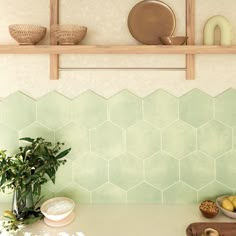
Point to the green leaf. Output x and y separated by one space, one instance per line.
3 179
31 220
27 139
63 154
51 174
39 169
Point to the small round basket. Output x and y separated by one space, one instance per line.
209 209
26 34
69 34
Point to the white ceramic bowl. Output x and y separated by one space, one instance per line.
57 208
226 212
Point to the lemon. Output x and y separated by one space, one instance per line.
231 198
234 203
227 204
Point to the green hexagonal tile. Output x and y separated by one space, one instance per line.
234 138
53 110
180 193
36 130
196 108
125 109
144 193
1 114
214 138
225 107
109 194
197 170
143 140
89 109
161 170
161 108
107 140
90 171
63 177
212 191
47 194
8 140
73 191
74 137
126 171
179 139
226 169
18 111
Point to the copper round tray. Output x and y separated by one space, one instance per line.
150 19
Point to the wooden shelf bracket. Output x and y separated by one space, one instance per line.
190 32
54 58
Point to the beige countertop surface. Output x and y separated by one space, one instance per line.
124 220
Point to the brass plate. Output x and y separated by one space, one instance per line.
150 19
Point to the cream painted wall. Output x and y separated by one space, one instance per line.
106 21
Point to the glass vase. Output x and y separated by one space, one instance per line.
21 202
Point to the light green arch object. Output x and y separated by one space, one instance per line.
225 29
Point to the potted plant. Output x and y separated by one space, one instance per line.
24 173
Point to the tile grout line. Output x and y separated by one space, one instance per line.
214 108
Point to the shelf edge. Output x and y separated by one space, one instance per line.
117 49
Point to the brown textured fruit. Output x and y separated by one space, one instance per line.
209 209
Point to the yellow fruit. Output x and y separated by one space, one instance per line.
9 214
234 203
231 198
227 204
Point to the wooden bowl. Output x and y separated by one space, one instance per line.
26 34
69 34
173 40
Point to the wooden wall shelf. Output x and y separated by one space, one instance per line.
54 50
116 49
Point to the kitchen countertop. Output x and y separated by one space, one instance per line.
124 220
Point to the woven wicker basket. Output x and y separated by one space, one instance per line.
26 34
68 34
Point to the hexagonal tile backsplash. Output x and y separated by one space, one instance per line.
127 149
